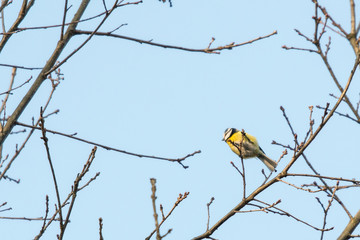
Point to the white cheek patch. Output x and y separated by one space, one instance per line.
227 134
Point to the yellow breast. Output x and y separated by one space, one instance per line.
246 146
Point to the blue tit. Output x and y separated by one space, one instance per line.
246 146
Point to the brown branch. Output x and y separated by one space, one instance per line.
322 122
352 39
107 14
178 160
66 24
350 227
18 151
17 66
100 229
208 211
64 19
12 89
242 175
263 172
42 230
4 4
74 191
283 173
42 76
346 99
205 50
311 124
299 49
22 13
28 218
326 211
261 209
178 201
326 185
284 213
153 198
4 101
324 177
342 114
324 11
354 236
3 210
45 139
316 41
301 188
3 106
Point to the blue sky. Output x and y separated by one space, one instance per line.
169 103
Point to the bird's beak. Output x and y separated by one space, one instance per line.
223 139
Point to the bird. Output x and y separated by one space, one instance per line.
246 146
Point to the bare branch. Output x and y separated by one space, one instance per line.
349 229
18 151
164 218
327 209
45 139
100 229
64 19
22 13
153 198
208 211
42 230
73 194
204 50
261 209
324 177
17 66
341 114
28 218
283 173
42 76
178 160
284 213
12 89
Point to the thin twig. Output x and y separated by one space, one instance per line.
164 218
12 89
283 173
153 198
17 66
74 191
178 160
327 209
341 114
18 151
22 14
42 76
326 185
45 139
4 101
204 50
261 209
208 211
42 230
64 19
284 213
323 177
87 39
28 218
100 229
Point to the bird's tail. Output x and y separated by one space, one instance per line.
271 164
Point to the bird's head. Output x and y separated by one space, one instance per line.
228 133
